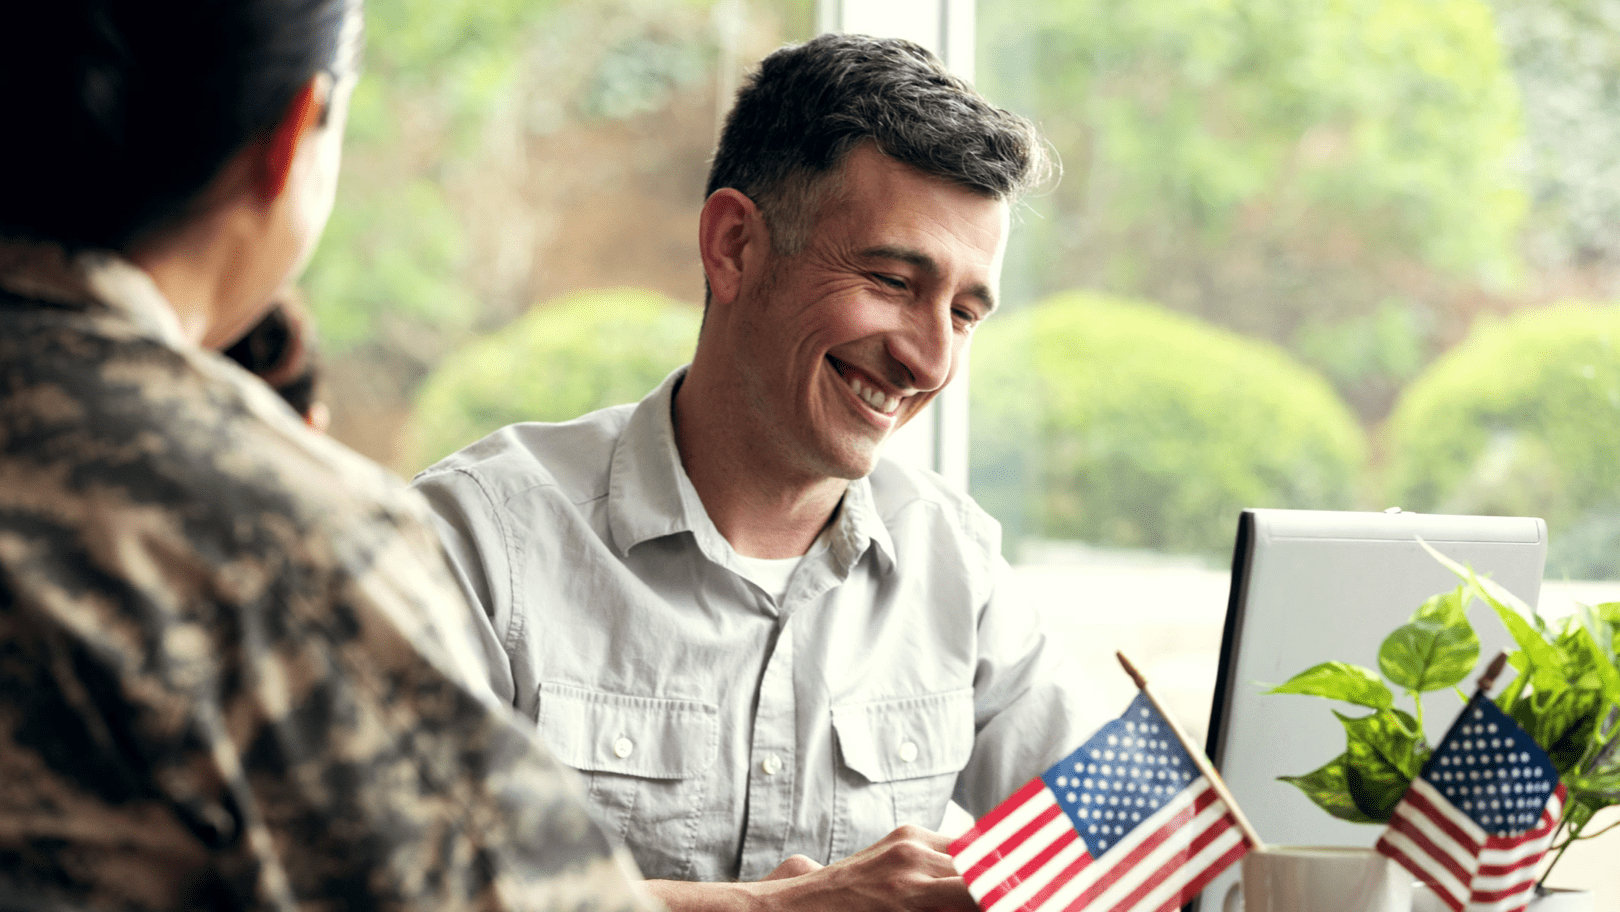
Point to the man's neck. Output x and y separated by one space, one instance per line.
762 510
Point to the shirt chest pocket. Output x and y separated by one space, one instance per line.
897 763
645 761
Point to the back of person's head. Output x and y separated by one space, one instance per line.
808 106
119 113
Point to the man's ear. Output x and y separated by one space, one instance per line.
298 124
731 235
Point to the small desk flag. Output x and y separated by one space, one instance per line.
1124 824
1479 817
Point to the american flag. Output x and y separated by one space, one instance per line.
1124 824
1479 817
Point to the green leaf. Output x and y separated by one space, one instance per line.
1382 756
1596 778
1578 812
1545 660
1329 790
1448 608
1604 757
1599 641
1436 650
1562 721
1339 681
1513 612
1488 589
1608 611
1596 790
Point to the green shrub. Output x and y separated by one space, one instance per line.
1121 424
583 352
1522 418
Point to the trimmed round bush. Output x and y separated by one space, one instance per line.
583 352
1119 423
1522 419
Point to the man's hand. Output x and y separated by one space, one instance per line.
905 871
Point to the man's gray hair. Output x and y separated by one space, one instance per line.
808 106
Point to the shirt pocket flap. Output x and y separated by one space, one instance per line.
908 738
650 737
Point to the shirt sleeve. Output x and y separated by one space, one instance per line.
1026 704
468 525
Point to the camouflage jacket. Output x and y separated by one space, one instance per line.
234 671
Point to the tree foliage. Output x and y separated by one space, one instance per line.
396 251
1287 168
431 236
561 360
1119 423
1565 55
1521 419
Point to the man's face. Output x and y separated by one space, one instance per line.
848 339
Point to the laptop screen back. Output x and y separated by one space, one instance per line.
1314 586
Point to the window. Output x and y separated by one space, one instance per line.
1303 255
521 186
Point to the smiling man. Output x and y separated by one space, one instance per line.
765 647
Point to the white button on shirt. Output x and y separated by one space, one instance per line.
886 679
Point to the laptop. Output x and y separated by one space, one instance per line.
1312 586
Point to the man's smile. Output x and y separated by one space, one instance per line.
866 389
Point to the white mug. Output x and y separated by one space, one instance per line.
1320 879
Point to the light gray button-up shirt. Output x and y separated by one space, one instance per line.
718 728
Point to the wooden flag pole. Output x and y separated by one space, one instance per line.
1197 754
1491 671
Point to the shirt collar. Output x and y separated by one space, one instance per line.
46 271
858 525
649 494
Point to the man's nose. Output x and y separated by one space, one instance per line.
925 346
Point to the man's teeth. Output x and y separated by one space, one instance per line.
872 397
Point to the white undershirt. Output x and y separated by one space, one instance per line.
770 573
773 574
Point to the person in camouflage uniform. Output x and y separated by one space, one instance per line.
234 670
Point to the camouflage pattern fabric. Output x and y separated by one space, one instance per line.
234 671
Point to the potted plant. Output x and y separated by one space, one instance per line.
1565 692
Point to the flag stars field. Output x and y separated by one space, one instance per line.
1124 776
1486 776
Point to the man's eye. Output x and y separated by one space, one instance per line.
891 281
963 315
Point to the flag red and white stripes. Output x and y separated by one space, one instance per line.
1468 868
